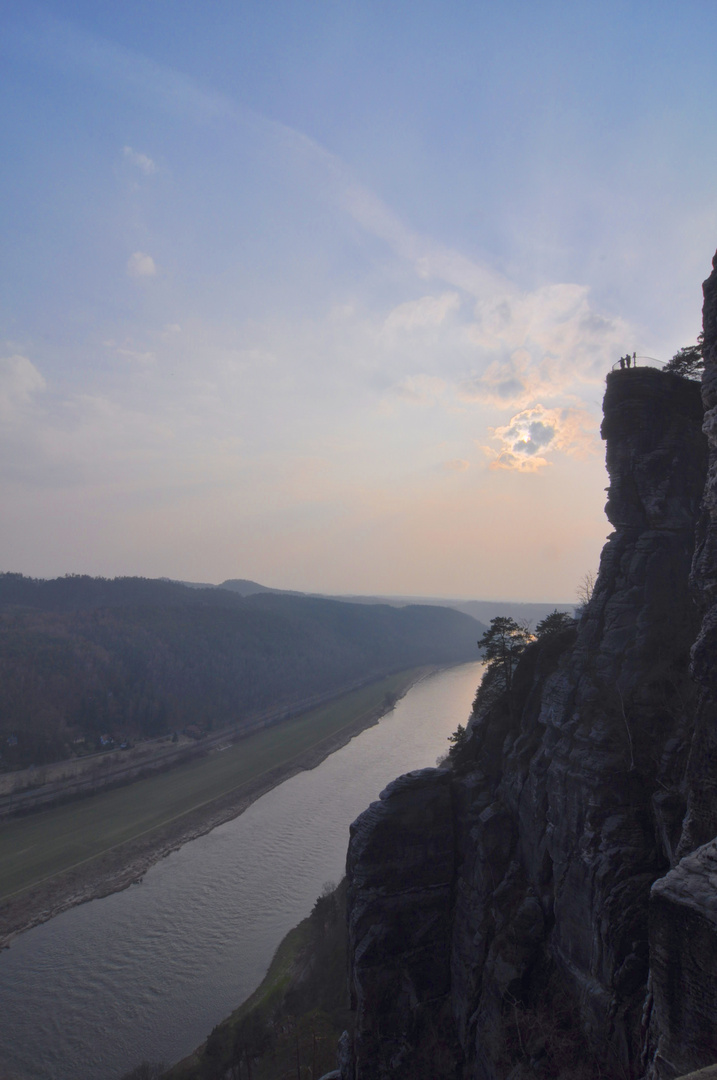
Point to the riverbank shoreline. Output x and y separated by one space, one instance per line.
116 869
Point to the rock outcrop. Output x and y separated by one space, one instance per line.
402 863
682 998
683 963
547 906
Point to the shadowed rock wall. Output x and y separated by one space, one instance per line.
498 912
682 999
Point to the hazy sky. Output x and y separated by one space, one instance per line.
324 293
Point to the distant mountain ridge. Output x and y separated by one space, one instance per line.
85 658
482 610
250 588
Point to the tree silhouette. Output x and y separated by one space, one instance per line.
502 644
688 362
553 623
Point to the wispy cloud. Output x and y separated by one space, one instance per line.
20 381
518 348
142 161
455 336
137 357
418 314
64 43
141 265
540 343
421 389
515 347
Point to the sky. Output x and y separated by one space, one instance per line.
323 294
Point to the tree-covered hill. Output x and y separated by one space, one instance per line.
82 659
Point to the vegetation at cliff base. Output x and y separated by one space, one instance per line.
291 1024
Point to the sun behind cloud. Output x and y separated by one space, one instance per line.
531 434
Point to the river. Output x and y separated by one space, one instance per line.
147 973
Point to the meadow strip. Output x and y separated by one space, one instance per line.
55 858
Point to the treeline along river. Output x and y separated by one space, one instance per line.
146 973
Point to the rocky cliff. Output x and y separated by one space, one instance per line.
548 907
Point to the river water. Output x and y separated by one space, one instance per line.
147 973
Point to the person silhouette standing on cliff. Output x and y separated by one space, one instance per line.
627 358
622 363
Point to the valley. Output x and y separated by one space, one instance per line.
92 846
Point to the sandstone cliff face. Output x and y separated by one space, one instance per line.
682 999
498 912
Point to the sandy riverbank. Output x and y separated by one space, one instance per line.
126 864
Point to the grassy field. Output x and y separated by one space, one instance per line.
34 849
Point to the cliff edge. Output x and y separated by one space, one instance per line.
547 906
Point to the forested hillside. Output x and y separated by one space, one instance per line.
84 659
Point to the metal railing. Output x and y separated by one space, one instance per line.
639 361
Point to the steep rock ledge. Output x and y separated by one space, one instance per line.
401 867
499 909
683 963
682 1000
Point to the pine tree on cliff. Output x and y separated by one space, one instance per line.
554 623
688 362
502 644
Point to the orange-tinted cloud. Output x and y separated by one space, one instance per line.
530 435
